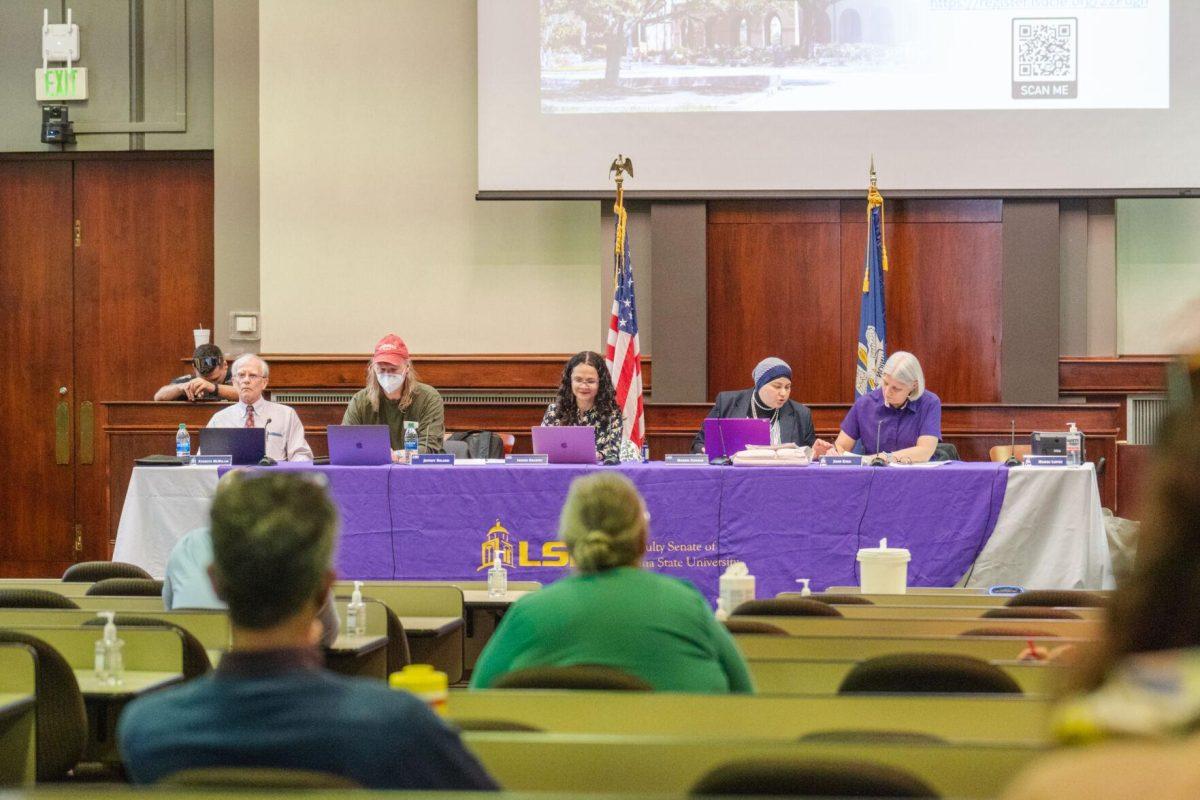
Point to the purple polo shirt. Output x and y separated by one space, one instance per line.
901 426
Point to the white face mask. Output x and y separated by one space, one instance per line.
390 382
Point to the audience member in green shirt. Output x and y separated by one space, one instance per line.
394 395
613 613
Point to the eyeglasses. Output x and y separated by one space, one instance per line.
584 382
248 376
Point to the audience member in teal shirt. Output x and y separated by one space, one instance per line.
613 613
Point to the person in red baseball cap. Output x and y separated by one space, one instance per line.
395 395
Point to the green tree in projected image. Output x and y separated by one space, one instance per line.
702 31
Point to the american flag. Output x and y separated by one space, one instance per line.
623 353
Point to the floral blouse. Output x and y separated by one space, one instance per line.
609 430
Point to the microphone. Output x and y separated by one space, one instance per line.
723 459
1011 461
878 460
267 461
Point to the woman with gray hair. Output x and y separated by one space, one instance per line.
900 421
770 399
612 612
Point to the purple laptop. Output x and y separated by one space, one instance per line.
566 444
359 445
724 437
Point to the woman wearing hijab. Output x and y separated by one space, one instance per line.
770 399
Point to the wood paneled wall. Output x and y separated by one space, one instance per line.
785 279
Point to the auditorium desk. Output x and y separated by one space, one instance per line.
1036 527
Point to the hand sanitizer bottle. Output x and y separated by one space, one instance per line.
1074 445
497 578
804 590
109 663
356 612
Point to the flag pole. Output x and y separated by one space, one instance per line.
617 171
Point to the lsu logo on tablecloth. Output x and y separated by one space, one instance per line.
498 539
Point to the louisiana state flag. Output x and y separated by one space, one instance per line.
872 325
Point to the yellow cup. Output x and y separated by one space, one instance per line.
425 682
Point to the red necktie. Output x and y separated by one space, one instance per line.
249 416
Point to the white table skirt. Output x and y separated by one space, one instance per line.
1049 534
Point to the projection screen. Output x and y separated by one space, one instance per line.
793 97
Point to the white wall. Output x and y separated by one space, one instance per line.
367 178
1158 271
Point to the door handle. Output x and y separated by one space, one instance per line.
62 429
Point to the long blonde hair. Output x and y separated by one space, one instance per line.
375 392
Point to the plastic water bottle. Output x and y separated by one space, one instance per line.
356 612
1074 445
109 664
183 442
645 452
410 441
497 578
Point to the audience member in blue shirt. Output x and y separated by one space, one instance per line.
270 703
186 583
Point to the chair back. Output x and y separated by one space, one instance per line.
833 599
59 715
126 587
736 626
927 673
1001 452
1029 612
267 778
92 571
34 598
945 452
1052 598
578 676
785 607
399 655
776 777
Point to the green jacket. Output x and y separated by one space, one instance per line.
652 626
426 408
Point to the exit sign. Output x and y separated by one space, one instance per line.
61 83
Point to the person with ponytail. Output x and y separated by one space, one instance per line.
612 612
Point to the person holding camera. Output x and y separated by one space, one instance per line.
209 379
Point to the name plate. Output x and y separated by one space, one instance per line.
212 461
434 458
527 458
841 461
686 458
1045 461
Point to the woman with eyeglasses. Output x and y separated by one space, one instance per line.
586 397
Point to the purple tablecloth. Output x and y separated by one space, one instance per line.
441 523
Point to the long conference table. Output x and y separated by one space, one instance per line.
964 523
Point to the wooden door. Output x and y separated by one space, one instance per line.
143 281
37 393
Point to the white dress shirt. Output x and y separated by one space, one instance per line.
285 434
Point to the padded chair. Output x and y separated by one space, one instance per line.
1001 452
34 598
126 587
767 777
865 736
1071 598
398 654
580 676
945 452
1029 633
735 626
59 714
258 778
927 673
195 657
832 599
92 571
785 607
1029 612
496 725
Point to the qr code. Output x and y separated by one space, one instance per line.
1045 49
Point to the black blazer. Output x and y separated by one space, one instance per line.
795 420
